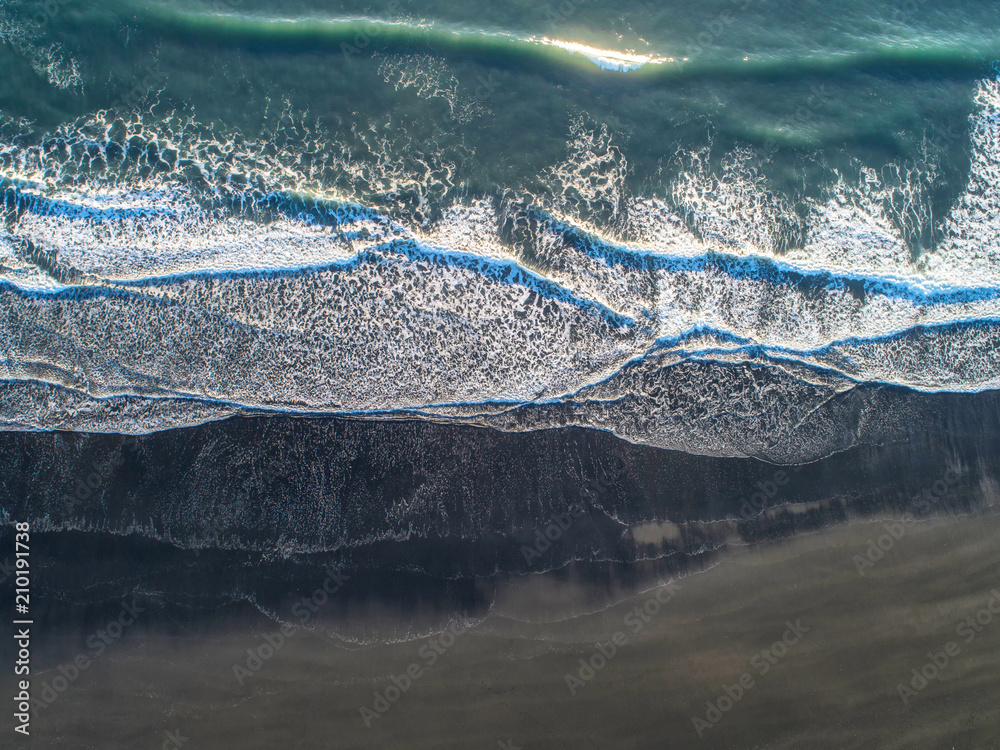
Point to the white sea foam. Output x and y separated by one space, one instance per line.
135 302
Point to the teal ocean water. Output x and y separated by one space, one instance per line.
692 225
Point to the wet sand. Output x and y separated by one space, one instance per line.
850 640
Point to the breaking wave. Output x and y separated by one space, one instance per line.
154 276
397 30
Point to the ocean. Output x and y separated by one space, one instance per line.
505 316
